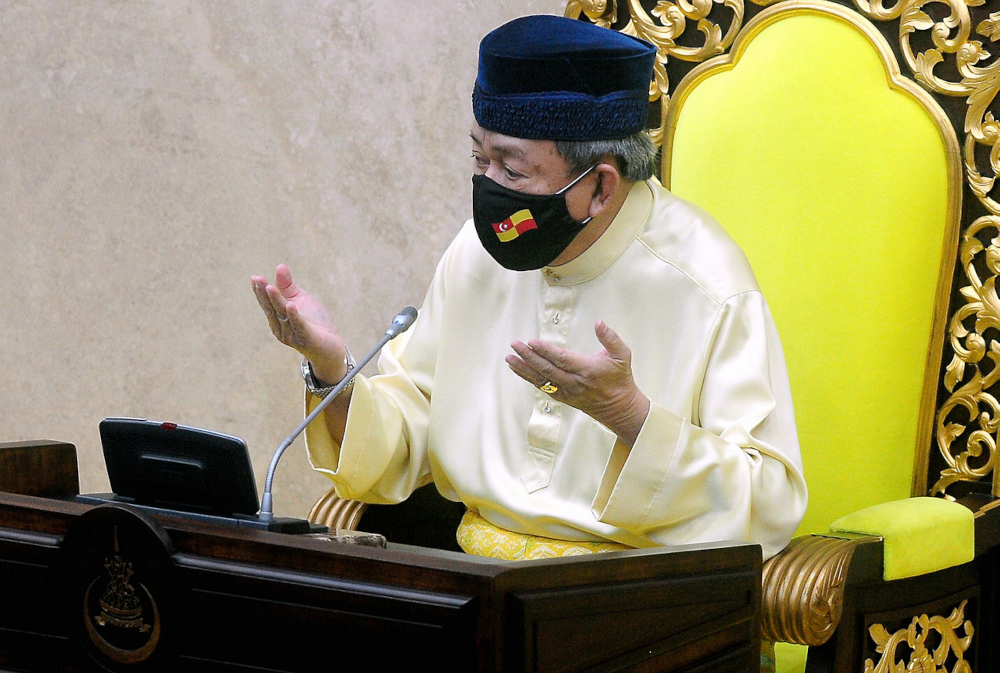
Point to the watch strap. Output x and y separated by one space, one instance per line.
313 385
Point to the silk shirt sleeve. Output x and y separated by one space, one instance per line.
733 470
383 457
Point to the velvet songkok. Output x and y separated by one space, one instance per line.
555 78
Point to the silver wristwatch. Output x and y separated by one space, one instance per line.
310 378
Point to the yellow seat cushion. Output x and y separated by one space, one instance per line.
920 535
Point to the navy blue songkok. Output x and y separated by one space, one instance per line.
555 78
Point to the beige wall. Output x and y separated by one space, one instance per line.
155 154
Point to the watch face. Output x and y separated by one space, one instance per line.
308 376
313 385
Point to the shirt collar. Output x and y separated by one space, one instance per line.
593 261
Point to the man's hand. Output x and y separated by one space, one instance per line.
600 385
298 320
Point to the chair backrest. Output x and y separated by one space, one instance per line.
841 178
838 180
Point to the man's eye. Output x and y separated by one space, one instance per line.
511 174
479 161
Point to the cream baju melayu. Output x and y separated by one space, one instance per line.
717 457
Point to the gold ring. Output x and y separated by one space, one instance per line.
549 388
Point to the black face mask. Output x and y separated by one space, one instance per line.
523 231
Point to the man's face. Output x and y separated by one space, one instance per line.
530 166
535 167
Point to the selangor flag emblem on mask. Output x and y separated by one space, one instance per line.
515 225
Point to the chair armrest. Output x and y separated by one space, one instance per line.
921 534
336 513
803 592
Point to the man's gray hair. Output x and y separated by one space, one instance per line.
636 154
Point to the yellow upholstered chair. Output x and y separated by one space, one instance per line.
830 141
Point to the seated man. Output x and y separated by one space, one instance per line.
594 362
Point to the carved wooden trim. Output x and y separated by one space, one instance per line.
803 594
336 513
929 644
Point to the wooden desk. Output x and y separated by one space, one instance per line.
80 584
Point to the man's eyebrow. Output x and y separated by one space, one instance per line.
501 148
508 150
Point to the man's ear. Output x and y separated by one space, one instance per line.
608 182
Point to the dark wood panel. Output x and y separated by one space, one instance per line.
27 651
237 599
285 635
39 467
614 624
894 604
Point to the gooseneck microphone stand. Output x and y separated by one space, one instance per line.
400 324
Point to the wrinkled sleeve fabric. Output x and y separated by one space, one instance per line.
384 455
731 471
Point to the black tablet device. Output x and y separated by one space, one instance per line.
176 467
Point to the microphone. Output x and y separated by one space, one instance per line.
400 324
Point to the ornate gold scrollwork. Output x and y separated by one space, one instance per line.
803 593
977 458
913 20
662 26
673 19
600 12
970 348
915 637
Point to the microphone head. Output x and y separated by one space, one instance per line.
402 322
